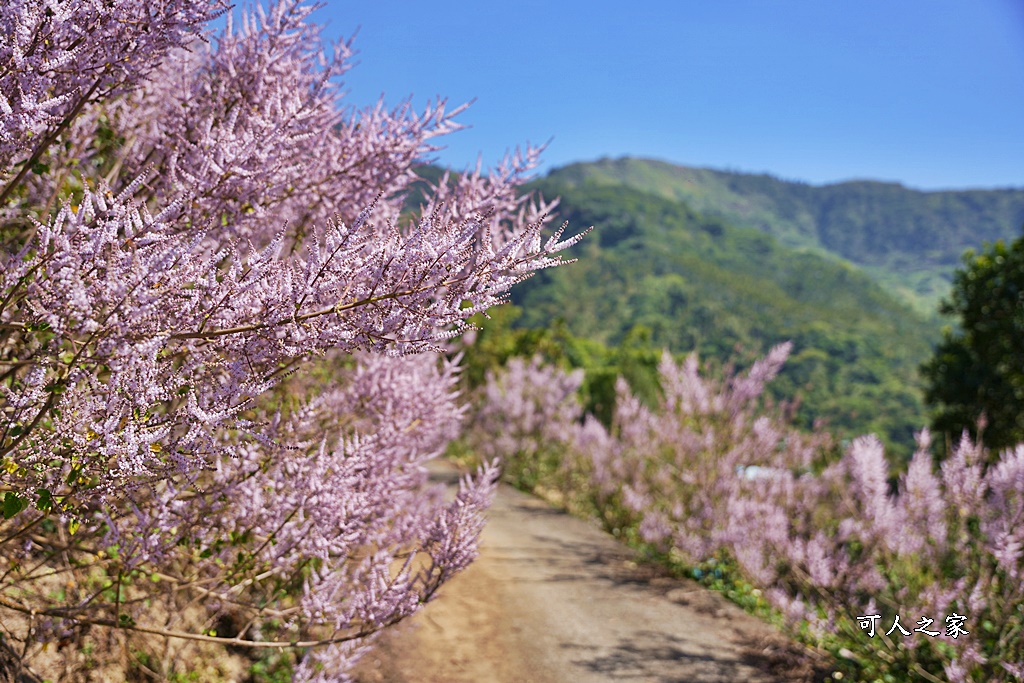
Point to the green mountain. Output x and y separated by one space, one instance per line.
696 281
907 240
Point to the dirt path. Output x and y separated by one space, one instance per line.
552 599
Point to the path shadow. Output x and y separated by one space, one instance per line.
577 561
657 657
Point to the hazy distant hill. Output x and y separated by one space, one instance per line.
908 240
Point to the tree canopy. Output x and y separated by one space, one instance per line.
976 378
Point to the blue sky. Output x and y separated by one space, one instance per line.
926 92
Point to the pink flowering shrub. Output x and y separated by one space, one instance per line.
185 226
670 473
718 482
525 412
833 547
714 477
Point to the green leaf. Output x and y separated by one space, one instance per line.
13 504
45 501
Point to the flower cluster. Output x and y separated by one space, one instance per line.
525 406
59 57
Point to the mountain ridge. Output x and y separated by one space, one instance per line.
908 240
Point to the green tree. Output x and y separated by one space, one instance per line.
978 370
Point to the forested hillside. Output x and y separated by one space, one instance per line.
908 240
698 282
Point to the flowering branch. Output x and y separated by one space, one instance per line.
206 417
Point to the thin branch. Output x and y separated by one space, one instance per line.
185 635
